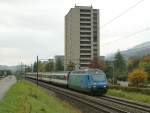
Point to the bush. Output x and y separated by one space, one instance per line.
132 89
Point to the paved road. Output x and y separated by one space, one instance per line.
5 84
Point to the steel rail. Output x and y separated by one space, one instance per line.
88 100
140 106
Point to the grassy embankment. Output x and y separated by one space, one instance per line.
130 95
25 97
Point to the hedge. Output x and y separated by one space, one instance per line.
132 89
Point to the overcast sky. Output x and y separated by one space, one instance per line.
36 27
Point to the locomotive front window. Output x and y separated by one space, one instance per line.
99 77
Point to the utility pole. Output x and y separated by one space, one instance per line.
113 73
25 72
31 68
37 70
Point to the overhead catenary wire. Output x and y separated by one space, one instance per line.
128 36
121 14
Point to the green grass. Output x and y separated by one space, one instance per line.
25 97
130 95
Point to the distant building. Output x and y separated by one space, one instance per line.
81 36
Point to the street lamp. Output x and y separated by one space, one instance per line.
113 70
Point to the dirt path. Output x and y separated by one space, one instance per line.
5 84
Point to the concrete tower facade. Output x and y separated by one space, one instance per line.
81 36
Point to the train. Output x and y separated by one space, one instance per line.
92 81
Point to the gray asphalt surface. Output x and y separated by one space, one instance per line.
5 84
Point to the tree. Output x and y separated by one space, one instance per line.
35 67
137 77
120 66
145 63
28 69
97 63
5 72
49 66
59 65
133 63
41 67
109 69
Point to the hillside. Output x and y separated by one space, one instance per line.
3 67
11 68
137 51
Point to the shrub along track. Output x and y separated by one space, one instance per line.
101 104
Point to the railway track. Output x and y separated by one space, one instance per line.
103 104
96 105
135 105
85 99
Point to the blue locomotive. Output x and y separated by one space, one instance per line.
93 81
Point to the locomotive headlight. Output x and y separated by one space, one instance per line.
94 86
104 86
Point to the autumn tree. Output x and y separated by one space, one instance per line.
137 77
102 64
133 63
49 67
41 67
97 63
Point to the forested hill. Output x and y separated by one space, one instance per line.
137 51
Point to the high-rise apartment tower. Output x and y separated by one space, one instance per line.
81 35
